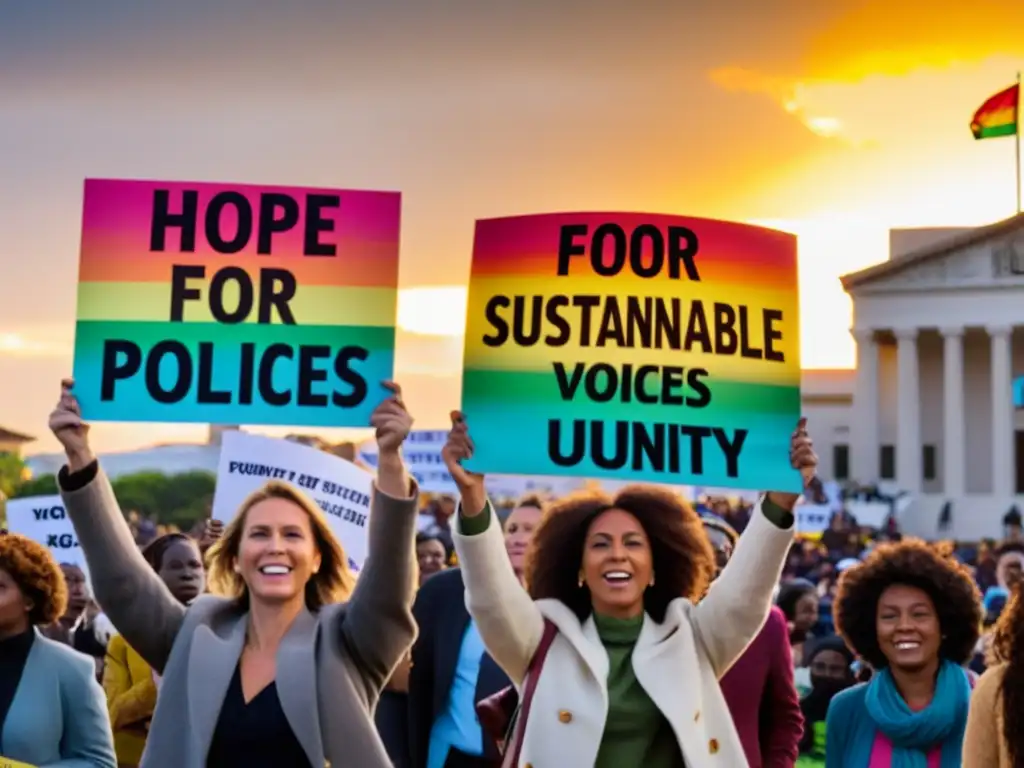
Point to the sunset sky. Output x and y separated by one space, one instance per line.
835 121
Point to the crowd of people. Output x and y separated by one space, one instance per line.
590 630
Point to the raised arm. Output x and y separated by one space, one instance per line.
509 622
135 599
737 605
377 625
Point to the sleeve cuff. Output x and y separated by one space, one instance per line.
777 516
476 525
76 481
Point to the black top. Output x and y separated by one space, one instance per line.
13 655
440 612
254 735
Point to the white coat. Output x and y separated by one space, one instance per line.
677 662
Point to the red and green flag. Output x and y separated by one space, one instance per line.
998 115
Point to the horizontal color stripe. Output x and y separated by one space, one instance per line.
1008 97
540 390
540 357
115 257
994 131
120 205
997 117
511 436
312 304
709 268
749 294
116 231
501 244
541 360
132 403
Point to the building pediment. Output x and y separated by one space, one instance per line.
990 256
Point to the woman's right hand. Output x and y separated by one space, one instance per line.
470 484
67 426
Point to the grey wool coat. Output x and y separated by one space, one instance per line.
331 666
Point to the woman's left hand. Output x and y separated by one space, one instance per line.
392 421
803 459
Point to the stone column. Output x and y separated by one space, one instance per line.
908 421
954 465
1002 411
864 429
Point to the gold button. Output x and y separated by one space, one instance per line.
565 716
713 746
696 716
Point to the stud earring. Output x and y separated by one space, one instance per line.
580 581
652 581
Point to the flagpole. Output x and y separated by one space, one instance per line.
1017 141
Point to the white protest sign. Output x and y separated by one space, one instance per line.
422 454
43 519
340 488
814 518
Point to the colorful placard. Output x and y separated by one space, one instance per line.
235 304
646 347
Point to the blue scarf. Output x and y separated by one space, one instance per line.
915 734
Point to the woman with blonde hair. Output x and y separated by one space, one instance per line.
273 669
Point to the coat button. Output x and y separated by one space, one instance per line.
565 716
713 746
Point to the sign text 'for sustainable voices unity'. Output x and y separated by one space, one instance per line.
660 348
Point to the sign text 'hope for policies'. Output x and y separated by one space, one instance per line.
235 304
657 348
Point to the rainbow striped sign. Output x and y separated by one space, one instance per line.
646 347
235 304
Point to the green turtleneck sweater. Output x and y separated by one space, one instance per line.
635 733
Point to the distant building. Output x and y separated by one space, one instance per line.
12 442
934 406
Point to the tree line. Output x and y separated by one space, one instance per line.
180 499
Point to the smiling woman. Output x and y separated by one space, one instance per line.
616 601
914 616
241 670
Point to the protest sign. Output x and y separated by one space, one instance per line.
422 455
235 304
340 488
44 520
655 348
813 519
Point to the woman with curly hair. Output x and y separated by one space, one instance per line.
51 706
995 725
613 590
914 616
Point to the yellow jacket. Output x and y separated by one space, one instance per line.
131 698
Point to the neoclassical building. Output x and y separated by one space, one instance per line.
940 344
